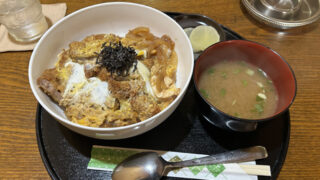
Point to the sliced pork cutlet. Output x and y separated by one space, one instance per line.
144 105
51 84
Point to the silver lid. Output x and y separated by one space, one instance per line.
284 14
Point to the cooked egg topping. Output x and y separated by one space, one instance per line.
98 83
76 79
79 87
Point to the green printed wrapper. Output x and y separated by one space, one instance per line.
106 158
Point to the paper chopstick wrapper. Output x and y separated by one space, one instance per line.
106 158
52 12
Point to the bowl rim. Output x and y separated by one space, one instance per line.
246 119
109 129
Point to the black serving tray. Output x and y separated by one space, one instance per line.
66 154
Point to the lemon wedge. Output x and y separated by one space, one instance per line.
202 37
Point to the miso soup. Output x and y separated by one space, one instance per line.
239 89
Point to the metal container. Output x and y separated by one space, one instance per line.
284 14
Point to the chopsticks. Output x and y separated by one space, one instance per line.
260 170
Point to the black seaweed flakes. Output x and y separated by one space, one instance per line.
117 59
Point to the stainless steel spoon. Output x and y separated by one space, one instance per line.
149 165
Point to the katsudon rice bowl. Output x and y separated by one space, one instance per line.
112 70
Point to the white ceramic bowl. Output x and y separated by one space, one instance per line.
117 18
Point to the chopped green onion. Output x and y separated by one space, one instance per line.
234 102
211 70
258 108
224 75
245 82
250 72
269 81
204 93
223 92
261 95
236 114
258 98
236 71
260 84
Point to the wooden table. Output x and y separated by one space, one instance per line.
19 155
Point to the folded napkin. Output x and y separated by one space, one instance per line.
53 13
106 158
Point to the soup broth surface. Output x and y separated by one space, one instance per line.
239 89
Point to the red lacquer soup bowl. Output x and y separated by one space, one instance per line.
276 68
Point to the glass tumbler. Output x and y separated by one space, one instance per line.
23 19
